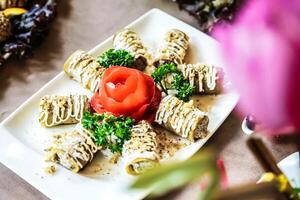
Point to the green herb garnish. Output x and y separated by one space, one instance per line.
178 83
116 57
108 131
296 193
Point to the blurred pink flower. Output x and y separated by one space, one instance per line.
262 57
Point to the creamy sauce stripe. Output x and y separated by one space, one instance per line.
142 145
55 110
205 75
179 117
74 149
174 48
130 41
84 69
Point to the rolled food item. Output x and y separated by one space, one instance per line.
173 49
56 110
183 119
5 27
84 69
141 151
207 79
73 149
130 41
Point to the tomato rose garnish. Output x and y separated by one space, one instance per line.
128 92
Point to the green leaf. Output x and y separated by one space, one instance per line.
163 70
178 83
185 91
116 57
177 174
210 190
103 127
296 193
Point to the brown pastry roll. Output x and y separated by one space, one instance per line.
173 49
141 151
83 68
5 27
182 118
207 79
73 149
12 3
130 41
56 110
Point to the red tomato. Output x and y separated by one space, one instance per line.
128 92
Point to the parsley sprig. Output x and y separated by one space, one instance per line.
178 83
108 131
296 193
115 57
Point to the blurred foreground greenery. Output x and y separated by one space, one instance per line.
176 174
202 169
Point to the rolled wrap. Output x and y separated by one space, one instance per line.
173 49
56 110
207 79
84 69
141 151
73 149
130 41
183 119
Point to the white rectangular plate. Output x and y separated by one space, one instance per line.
22 139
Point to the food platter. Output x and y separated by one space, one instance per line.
23 139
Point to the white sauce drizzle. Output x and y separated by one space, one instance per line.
142 145
130 41
55 110
74 148
84 69
207 76
179 117
174 48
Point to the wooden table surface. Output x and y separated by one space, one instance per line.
82 25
